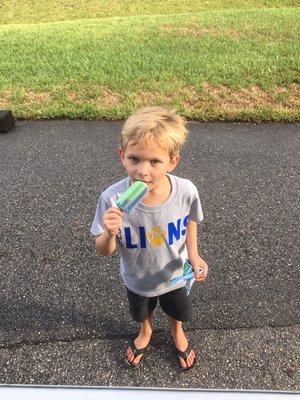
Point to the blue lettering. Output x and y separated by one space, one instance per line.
129 245
142 237
174 231
185 221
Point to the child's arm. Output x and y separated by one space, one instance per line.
192 249
112 221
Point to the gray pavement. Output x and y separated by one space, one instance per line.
64 317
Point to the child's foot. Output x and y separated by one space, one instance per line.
182 344
140 342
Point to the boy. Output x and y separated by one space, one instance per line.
160 234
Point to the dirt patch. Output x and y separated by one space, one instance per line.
145 98
196 30
36 97
26 97
106 99
110 99
153 98
73 96
254 97
5 99
207 101
233 33
223 98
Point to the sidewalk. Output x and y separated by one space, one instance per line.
94 393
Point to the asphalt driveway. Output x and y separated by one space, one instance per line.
63 309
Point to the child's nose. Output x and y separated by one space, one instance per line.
143 169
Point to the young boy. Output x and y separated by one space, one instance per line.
160 234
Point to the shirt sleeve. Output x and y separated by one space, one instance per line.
196 213
97 227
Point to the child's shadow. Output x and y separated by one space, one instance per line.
35 322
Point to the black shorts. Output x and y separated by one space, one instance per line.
176 304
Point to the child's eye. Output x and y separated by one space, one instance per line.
133 159
155 162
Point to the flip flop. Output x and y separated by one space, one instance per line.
184 355
136 353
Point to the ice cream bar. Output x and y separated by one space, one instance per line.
132 196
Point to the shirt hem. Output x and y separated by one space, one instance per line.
154 294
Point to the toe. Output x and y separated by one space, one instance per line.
137 360
131 358
190 359
130 355
182 362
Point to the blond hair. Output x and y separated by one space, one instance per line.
155 124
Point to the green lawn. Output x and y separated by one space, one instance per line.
33 11
205 59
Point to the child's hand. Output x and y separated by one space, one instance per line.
197 263
112 220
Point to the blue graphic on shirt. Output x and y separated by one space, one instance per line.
157 235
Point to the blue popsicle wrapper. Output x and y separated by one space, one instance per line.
188 276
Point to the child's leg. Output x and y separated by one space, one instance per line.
181 342
143 339
178 307
141 309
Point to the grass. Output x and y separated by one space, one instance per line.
213 65
34 11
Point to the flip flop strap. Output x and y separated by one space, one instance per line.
186 353
137 352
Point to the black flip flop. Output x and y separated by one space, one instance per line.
184 355
136 353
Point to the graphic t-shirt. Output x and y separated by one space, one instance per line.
152 238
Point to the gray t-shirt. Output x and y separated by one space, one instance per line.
152 239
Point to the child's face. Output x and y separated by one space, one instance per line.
148 164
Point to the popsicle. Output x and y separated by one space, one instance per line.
132 196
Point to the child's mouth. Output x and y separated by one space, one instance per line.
140 180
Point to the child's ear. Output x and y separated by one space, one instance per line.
173 162
121 154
